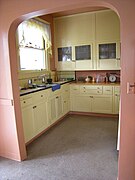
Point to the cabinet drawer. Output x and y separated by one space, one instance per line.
107 90
91 89
26 102
38 97
117 89
74 89
65 88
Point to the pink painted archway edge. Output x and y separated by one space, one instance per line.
14 11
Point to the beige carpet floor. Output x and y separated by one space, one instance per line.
78 148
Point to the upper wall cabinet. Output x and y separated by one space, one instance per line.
75 29
108 55
107 26
77 32
107 40
87 36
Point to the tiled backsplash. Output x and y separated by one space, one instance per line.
35 76
66 74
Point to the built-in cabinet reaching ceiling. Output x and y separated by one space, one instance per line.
87 41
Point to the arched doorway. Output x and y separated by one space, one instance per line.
127 37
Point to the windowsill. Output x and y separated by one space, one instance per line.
31 47
31 71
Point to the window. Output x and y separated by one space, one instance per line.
107 51
83 52
34 41
32 59
65 54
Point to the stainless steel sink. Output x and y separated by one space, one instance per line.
41 85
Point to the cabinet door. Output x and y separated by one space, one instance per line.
107 26
108 55
55 108
116 103
40 117
28 127
66 105
79 28
74 34
64 56
107 37
102 104
52 110
81 103
58 106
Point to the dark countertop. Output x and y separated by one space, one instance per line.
48 86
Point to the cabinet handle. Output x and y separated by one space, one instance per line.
91 96
41 95
57 97
24 101
34 107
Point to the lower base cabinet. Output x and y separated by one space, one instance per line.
102 104
66 105
55 107
28 125
81 103
40 117
43 108
98 99
95 104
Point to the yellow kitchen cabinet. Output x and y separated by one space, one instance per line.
92 29
66 98
90 89
107 26
102 104
59 107
108 55
79 30
40 111
40 117
116 99
66 105
55 106
107 40
81 103
92 98
27 117
85 56
74 29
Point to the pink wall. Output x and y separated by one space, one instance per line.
11 13
95 73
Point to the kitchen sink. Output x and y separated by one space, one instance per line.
41 85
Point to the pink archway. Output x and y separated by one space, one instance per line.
10 115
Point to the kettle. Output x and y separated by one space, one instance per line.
88 79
